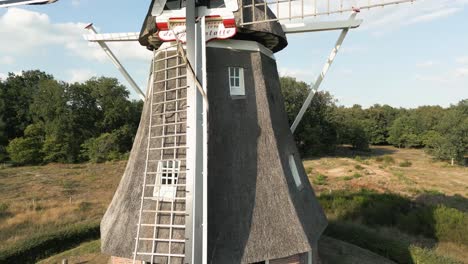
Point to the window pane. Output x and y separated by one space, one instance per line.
237 82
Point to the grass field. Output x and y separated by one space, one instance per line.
39 200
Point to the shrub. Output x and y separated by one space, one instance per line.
357 175
358 167
406 163
450 225
84 206
44 245
4 209
388 159
321 179
398 250
28 149
347 178
373 209
102 148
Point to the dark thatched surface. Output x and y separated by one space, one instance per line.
269 34
256 211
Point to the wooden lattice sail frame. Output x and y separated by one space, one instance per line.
286 11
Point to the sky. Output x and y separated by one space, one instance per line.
405 56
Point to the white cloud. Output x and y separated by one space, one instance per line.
8 60
421 11
300 74
3 76
425 64
462 60
462 72
79 75
30 32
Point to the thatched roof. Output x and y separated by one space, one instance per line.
269 34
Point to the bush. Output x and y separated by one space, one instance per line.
358 167
28 149
4 209
406 163
101 149
450 225
398 250
320 179
374 209
44 245
388 159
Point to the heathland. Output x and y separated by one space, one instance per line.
398 203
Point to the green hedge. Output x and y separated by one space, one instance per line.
395 249
44 245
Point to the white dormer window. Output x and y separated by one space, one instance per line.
167 180
236 81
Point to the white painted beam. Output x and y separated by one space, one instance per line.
112 37
321 26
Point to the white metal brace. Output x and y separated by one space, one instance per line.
325 69
116 61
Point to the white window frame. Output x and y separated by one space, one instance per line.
167 178
236 81
294 171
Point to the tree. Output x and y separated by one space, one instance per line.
316 133
101 149
450 140
406 132
28 149
351 126
18 92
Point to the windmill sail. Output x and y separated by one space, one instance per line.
10 3
299 10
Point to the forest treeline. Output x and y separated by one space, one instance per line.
44 120
443 132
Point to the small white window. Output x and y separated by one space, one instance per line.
236 81
167 178
294 171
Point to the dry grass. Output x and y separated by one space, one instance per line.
41 199
379 173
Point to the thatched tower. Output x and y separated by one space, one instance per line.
261 207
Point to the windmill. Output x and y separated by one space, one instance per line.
214 175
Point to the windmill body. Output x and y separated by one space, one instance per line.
214 175
261 206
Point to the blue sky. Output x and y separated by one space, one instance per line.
410 55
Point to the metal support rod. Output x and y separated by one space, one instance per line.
321 77
196 137
117 63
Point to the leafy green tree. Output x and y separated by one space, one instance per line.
112 101
379 119
450 140
351 126
316 133
18 92
101 149
28 149
405 132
